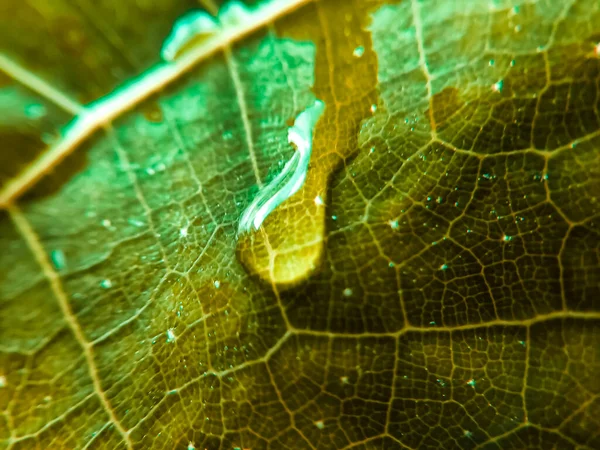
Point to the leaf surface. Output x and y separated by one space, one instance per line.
435 282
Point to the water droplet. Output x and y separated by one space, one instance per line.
344 379
106 223
35 111
171 336
491 62
191 446
2 381
58 259
513 62
292 176
217 284
359 51
106 284
347 292
319 424
136 223
373 108
497 87
444 266
372 150
471 382
185 29
319 201
507 238
333 217
394 224
183 232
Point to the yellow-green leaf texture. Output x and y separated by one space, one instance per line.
434 284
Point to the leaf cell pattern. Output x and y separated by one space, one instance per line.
446 285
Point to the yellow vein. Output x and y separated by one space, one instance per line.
103 111
416 11
35 83
35 246
239 90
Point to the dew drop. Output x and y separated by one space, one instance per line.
497 87
183 232
106 284
35 111
347 292
359 51
192 25
2 381
444 267
58 259
373 108
171 336
293 174
217 284
394 224
319 201
319 424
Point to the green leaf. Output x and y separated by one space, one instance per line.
434 282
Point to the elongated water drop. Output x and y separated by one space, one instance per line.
198 25
291 178
187 28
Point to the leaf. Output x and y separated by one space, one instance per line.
434 283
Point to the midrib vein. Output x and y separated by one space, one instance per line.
104 110
29 235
